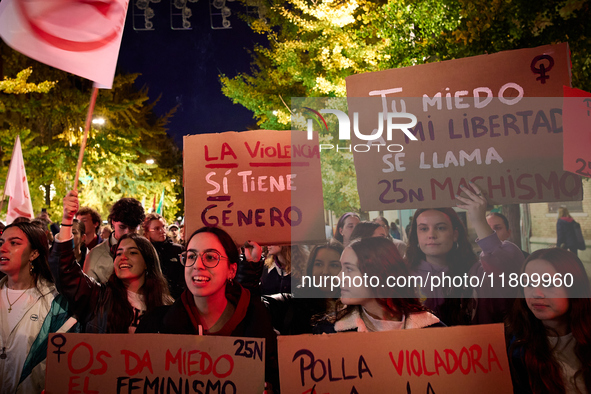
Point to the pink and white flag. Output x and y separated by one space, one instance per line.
17 187
81 37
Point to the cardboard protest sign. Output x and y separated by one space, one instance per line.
468 359
576 113
154 363
261 185
495 120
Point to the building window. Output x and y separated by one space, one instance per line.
572 206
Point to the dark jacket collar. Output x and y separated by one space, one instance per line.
236 294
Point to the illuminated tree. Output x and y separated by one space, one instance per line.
51 124
314 45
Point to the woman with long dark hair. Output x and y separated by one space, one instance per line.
345 226
375 308
549 329
136 285
28 301
214 303
438 245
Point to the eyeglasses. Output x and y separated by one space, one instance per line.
210 259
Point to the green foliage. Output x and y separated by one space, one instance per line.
51 126
313 45
19 85
337 167
491 26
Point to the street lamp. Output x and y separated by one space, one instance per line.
150 161
98 121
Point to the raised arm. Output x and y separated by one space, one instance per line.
496 256
250 268
475 204
81 291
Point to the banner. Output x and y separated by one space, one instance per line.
154 363
576 112
464 359
161 203
260 185
77 36
495 120
17 187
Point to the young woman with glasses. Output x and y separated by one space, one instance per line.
214 303
135 286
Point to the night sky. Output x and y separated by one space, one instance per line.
183 66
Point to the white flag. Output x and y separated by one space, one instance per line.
81 37
17 187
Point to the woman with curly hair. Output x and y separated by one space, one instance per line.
279 266
135 286
438 245
549 329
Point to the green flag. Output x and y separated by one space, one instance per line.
161 203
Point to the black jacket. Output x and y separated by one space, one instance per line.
291 314
172 269
174 319
565 235
89 300
272 282
294 316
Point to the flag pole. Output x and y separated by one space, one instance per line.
6 181
86 129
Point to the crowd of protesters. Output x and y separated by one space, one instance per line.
80 276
